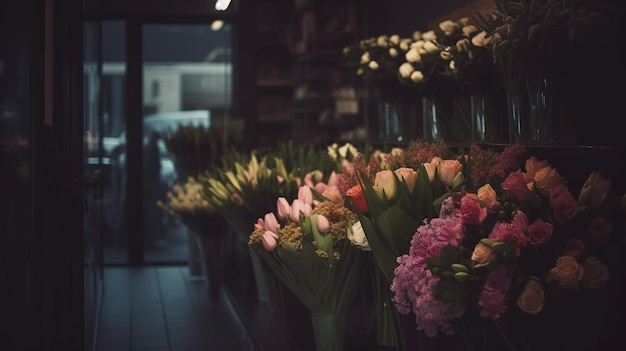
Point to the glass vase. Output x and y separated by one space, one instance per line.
478 114
397 121
518 128
430 121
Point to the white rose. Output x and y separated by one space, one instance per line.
357 237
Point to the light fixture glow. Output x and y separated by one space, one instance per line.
217 25
222 5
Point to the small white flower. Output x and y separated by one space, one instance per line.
417 76
429 36
430 46
406 69
448 27
463 45
469 30
393 52
382 40
413 56
480 39
405 44
365 57
417 35
452 65
445 54
395 39
373 65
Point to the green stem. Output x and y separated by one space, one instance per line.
328 329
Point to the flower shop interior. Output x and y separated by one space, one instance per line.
312 175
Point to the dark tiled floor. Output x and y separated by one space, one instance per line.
161 308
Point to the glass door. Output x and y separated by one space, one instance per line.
187 73
96 175
155 78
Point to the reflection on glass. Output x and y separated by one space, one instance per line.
187 74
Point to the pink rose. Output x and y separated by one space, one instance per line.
531 300
594 191
515 187
471 211
546 179
409 175
506 232
448 170
599 230
596 273
574 248
520 220
567 273
539 232
564 205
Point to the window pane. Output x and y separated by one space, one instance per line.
186 82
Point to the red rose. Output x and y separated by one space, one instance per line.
539 232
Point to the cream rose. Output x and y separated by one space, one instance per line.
482 255
567 273
531 300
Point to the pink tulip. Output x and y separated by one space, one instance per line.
322 224
305 194
269 241
271 223
283 208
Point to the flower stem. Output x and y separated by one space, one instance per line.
328 329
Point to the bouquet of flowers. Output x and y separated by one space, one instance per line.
194 148
509 251
392 198
305 244
187 204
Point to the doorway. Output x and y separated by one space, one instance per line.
156 77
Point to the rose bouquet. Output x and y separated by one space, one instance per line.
305 244
511 251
